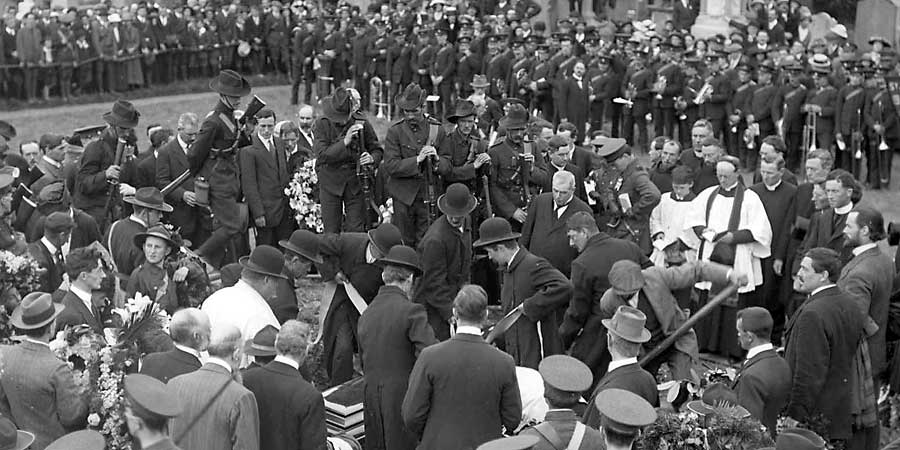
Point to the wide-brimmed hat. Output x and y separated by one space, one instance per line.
230 83
36 310
385 236
883 41
494 230
338 106
516 118
149 197
12 438
719 399
480 81
402 256
799 439
625 277
122 115
304 243
157 231
412 97
265 260
628 324
263 344
7 130
81 440
457 201
464 108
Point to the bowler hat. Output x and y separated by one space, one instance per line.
263 343
464 108
58 222
230 83
623 411
516 118
7 130
412 97
402 256
565 373
718 398
337 107
799 439
149 197
457 201
494 230
36 310
304 243
81 440
479 81
625 277
157 231
520 442
122 115
265 260
12 438
385 236
628 324
149 397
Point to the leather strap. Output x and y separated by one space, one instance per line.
577 437
549 433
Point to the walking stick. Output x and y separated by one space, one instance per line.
688 324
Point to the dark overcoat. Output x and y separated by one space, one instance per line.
544 235
632 378
762 386
169 364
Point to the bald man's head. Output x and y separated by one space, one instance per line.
305 116
190 327
225 342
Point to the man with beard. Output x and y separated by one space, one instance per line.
464 153
661 172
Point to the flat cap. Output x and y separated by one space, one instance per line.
624 411
58 222
150 397
626 276
521 442
565 373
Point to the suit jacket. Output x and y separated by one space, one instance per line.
264 175
868 279
575 102
77 313
632 378
544 235
232 420
392 333
446 256
145 171
563 421
39 393
167 365
85 233
821 340
446 410
762 386
826 230
291 411
683 16
580 191
172 161
644 196
52 277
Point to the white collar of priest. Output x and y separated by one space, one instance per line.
773 187
731 188
842 210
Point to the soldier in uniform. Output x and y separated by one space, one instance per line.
149 405
399 60
736 108
669 83
821 102
512 160
469 64
850 125
686 108
713 106
496 67
212 156
377 52
328 54
442 70
759 108
464 157
410 162
637 89
520 74
540 83
360 61
564 62
422 60
882 123
786 112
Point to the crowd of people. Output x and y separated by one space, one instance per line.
740 230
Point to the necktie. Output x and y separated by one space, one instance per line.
60 261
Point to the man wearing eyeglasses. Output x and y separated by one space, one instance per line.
171 161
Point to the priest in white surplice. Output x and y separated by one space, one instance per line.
731 227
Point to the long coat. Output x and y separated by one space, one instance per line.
575 102
532 282
291 411
91 187
821 340
446 255
545 235
393 332
172 161
264 175
762 386
632 378
446 409
169 364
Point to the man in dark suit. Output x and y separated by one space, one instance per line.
54 198
558 151
172 161
821 340
189 329
393 331
48 251
442 406
85 276
446 252
306 139
763 382
575 103
684 14
827 229
264 176
544 231
636 88
291 410
581 157
624 340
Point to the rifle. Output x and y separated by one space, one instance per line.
431 194
365 174
525 172
484 175
113 203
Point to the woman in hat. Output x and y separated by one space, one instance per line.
151 278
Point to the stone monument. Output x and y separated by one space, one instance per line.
715 15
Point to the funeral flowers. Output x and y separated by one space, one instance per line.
19 272
302 193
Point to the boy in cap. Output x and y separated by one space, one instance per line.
149 404
151 278
565 378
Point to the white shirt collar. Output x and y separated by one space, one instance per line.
49 246
52 162
35 341
772 188
219 362
512 258
182 144
84 296
821 288
468 329
189 350
844 209
759 349
613 365
138 220
285 360
864 247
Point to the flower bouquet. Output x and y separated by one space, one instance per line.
302 193
674 431
19 272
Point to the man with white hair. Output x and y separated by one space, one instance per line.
189 329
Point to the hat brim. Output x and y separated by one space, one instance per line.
231 91
403 104
16 318
250 265
332 114
700 408
118 121
24 439
511 124
386 261
165 207
452 118
140 238
480 85
253 349
644 337
448 210
508 237
287 245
